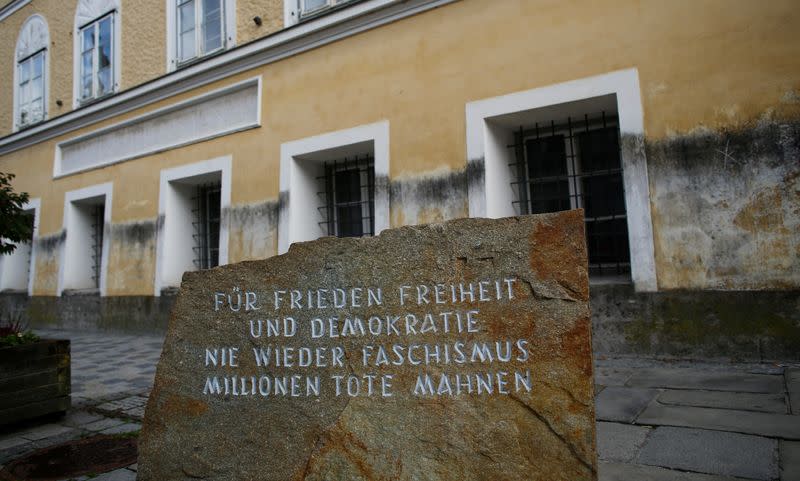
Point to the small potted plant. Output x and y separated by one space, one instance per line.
34 373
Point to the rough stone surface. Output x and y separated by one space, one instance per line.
712 452
622 404
544 433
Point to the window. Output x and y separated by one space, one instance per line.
335 184
348 188
30 85
195 233
312 7
206 225
201 28
30 73
84 259
608 178
576 164
96 58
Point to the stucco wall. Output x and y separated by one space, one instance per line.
271 13
715 74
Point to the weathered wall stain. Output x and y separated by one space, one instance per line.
426 199
726 208
253 230
132 258
48 251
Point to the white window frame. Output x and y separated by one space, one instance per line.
88 13
33 39
295 11
10 264
172 257
68 258
228 33
299 186
486 146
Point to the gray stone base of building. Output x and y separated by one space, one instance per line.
129 314
735 325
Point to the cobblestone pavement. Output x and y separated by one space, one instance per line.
656 420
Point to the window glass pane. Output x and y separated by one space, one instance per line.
104 82
24 71
104 40
86 64
38 64
603 195
36 88
88 38
86 86
24 93
599 149
36 111
187 47
186 17
212 25
547 157
309 5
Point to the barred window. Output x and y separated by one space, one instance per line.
97 213
348 193
207 225
576 164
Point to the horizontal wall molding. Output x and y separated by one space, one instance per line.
285 43
224 111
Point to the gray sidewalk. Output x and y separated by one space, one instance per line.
656 420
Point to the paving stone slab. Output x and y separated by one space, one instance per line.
80 418
10 441
631 472
102 424
609 376
44 431
123 428
622 404
783 426
687 378
712 452
770 403
790 460
620 442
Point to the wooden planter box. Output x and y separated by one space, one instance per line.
34 380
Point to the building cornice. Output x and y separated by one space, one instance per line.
288 42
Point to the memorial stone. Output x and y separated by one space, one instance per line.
452 351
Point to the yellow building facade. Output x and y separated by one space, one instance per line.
160 136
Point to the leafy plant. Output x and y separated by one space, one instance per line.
13 331
16 225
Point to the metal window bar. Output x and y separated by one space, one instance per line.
206 225
97 242
348 197
576 164
29 241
